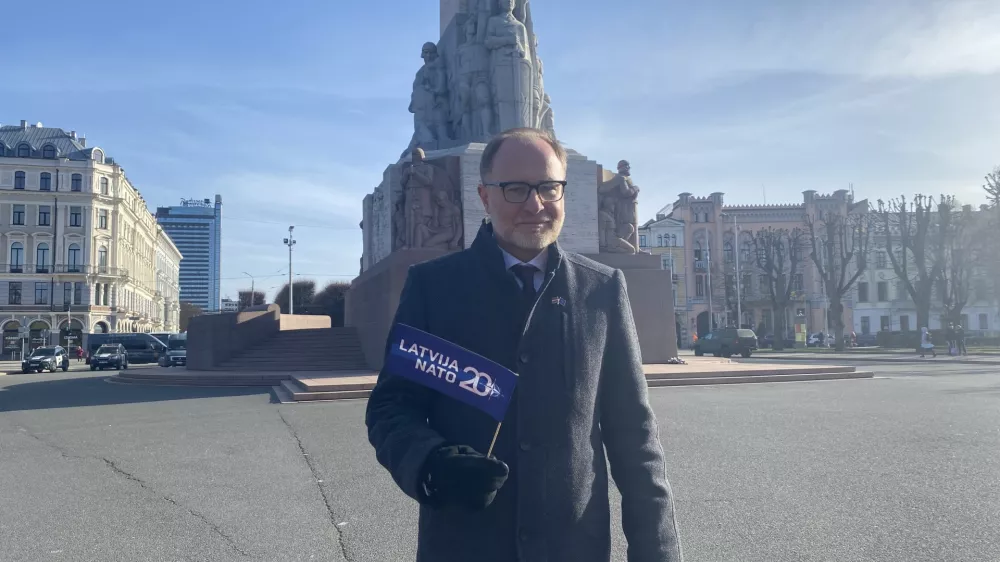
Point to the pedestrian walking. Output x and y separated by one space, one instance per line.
926 343
960 340
564 324
79 354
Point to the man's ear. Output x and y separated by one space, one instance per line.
484 197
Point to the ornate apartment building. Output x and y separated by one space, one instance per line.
80 251
664 236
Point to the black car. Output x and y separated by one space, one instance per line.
727 342
108 356
176 355
46 359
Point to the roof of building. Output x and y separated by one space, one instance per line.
37 137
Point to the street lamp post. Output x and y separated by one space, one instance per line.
736 249
290 242
251 288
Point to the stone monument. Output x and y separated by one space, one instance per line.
483 76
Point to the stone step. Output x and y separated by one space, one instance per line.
298 394
311 352
772 371
742 379
126 377
291 368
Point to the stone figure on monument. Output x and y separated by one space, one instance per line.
474 86
613 237
418 182
620 196
429 101
444 231
542 101
512 71
399 225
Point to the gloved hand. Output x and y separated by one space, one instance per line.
459 476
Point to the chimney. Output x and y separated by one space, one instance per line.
72 135
83 141
24 123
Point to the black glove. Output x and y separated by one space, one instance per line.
459 476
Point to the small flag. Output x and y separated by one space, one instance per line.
450 369
558 301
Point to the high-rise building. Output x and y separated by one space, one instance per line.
196 228
80 251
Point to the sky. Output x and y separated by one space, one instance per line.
291 111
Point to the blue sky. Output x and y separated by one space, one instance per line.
292 110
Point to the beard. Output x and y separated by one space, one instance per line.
535 239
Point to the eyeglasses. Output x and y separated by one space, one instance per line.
519 191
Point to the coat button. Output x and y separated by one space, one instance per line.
525 446
524 358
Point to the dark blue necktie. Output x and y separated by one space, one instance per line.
526 274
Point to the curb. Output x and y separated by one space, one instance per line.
861 358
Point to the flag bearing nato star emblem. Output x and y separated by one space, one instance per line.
450 369
558 301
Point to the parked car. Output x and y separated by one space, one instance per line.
46 359
867 340
176 355
727 342
768 341
109 355
141 347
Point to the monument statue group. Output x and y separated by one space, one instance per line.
484 76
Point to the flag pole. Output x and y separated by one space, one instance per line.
489 453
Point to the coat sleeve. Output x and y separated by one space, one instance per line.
632 441
398 408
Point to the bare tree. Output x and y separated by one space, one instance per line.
839 249
964 254
915 235
992 187
246 300
778 254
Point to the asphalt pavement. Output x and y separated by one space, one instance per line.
902 467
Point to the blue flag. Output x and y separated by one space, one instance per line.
450 369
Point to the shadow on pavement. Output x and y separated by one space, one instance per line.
26 394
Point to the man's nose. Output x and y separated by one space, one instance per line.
533 204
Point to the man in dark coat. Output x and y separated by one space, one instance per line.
564 324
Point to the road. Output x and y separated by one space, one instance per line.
902 467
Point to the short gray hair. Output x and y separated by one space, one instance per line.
521 133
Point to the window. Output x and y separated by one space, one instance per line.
73 259
984 322
883 291
797 282
102 219
17 217
904 322
883 322
745 284
14 292
863 292
42 258
697 217
746 254
697 254
102 259
764 283
44 215
699 285
866 325
18 180
727 252
16 257
642 240
41 292
76 182
23 151
75 216
78 292
104 186
880 259
705 217
45 183
48 151
67 293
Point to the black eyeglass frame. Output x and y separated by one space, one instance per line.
531 187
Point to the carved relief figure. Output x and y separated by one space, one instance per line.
417 182
512 68
542 101
444 230
474 88
399 225
619 196
429 100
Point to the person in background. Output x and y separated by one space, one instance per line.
960 340
925 343
79 354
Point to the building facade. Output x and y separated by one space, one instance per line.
665 236
721 262
79 246
196 228
229 305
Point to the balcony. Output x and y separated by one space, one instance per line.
63 268
701 265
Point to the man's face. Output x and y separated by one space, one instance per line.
428 53
624 169
506 5
535 224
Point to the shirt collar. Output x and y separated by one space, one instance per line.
538 261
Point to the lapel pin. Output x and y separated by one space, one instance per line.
559 301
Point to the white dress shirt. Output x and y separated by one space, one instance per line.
538 262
